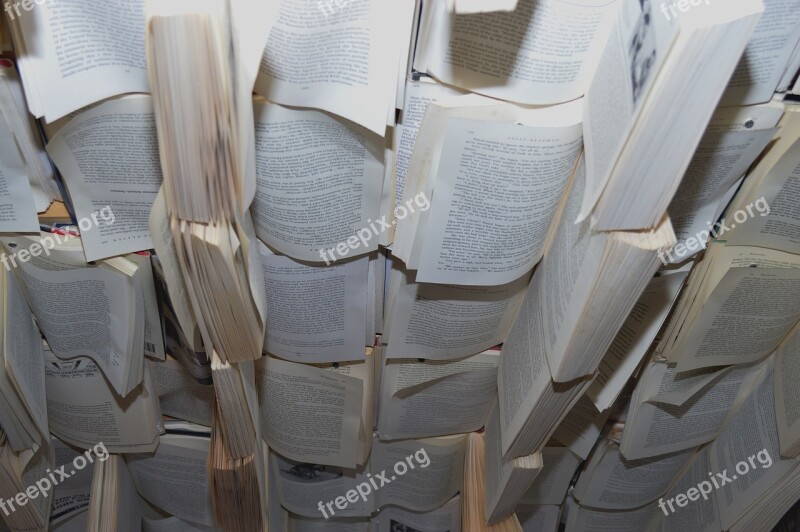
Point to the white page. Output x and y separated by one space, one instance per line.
153 337
108 156
434 398
71 496
444 321
581 427
610 482
319 182
83 410
769 50
420 488
541 53
589 519
700 515
310 414
635 337
316 313
446 517
496 192
23 355
175 477
551 484
333 58
17 208
787 407
538 518
98 300
301 486
180 395
82 52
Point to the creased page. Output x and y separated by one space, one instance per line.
302 486
310 414
175 479
99 53
434 398
83 410
333 57
17 208
444 322
496 193
22 351
541 53
436 476
97 301
180 395
315 313
635 338
319 183
109 158
581 427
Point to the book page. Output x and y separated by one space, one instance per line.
180 395
722 157
496 192
22 353
538 518
699 515
551 485
523 374
319 182
99 303
585 518
316 313
581 427
610 482
745 318
175 478
443 322
635 337
301 486
761 67
633 55
446 517
787 402
310 414
83 410
332 57
662 428
435 398
70 497
437 475
99 52
773 220
108 156
17 208
540 53
417 98
750 437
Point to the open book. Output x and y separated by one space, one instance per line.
25 133
787 365
23 410
18 471
737 307
108 157
114 504
339 58
436 477
540 53
179 393
104 55
320 413
83 410
316 314
486 183
638 145
106 301
424 398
